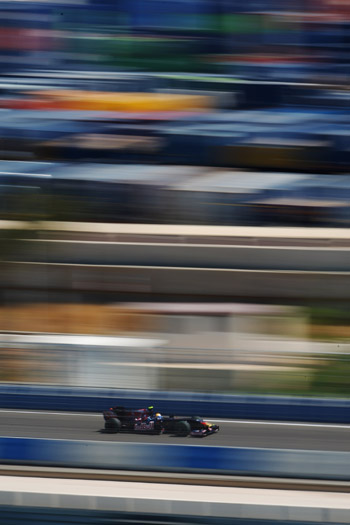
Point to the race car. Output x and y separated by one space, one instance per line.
146 420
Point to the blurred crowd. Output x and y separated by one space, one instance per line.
242 87
267 39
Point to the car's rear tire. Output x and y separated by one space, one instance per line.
113 425
182 428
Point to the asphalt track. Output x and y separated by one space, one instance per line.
56 425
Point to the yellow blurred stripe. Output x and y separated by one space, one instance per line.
129 102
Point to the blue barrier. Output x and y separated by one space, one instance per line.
182 403
177 458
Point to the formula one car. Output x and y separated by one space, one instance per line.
145 420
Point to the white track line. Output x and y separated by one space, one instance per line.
281 423
48 413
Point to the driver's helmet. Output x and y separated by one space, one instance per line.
159 416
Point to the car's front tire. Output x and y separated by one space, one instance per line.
113 425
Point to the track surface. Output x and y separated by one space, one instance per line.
55 425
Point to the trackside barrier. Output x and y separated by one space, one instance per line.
177 458
17 396
32 515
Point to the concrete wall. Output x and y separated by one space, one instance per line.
188 255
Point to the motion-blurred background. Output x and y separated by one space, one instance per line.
146 114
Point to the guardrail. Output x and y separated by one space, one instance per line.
177 282
322 465
16 396
171 255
